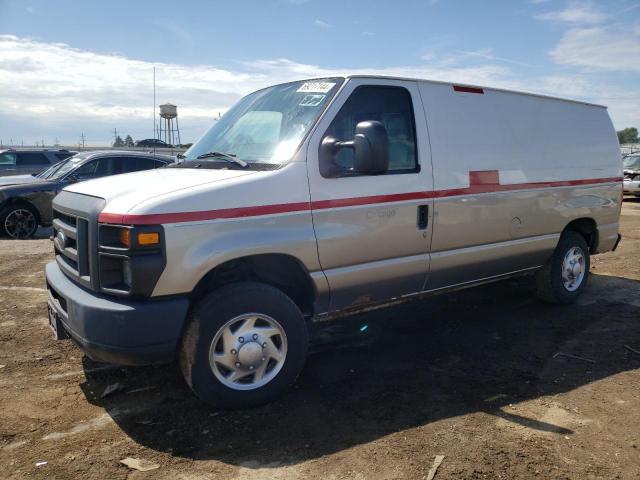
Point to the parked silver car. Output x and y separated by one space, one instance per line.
631 165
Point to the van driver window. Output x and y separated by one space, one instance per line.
393 108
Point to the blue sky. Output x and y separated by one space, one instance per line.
85 67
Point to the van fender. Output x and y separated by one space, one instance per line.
196 249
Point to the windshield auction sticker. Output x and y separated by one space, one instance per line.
316 87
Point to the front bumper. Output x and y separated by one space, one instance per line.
631 186
113 330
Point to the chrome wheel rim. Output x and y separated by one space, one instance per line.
248 351
20 223
573 269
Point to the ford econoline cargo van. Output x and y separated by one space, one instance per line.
313 198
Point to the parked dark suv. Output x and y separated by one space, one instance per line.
25 200
20 162
153 142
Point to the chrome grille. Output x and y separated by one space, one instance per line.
75 236
71 244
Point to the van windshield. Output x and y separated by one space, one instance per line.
266 126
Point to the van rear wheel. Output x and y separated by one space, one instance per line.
245 344
565 275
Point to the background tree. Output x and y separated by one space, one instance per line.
628 135
128 141
118 142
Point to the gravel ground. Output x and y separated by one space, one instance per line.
484 377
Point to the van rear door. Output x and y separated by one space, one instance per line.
374 231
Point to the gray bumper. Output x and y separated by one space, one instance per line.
114 330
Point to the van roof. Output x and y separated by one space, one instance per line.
441 82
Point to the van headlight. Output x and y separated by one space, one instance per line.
130 259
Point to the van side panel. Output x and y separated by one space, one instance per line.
519 164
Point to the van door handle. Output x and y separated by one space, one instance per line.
423 217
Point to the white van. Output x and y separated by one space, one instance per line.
318 197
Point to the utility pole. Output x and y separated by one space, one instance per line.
154 102
82 139
115 135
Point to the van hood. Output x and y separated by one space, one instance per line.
132 188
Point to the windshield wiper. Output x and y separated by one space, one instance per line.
229 157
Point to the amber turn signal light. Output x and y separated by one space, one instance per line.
125 237
148 238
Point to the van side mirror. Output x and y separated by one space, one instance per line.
73 178
370 147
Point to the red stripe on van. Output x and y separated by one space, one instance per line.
159 218
355 201
474 188
460 88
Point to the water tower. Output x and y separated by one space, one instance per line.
169 124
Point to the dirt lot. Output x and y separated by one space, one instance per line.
473 376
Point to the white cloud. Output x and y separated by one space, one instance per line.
604 59
623 104
575 12
54 85
321 24
53 90
487 54
570 86
599 48
282 70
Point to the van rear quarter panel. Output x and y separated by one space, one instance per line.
530 141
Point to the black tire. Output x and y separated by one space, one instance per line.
211 314
549 282
10 209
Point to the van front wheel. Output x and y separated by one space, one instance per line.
565 275
244 345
